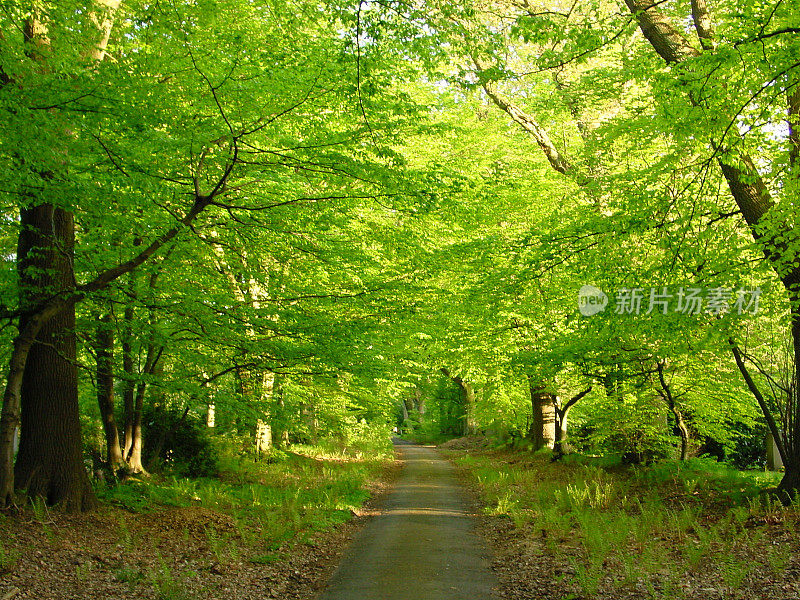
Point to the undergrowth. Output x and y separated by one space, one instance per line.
273 500
661 531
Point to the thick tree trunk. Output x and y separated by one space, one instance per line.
419 401
50 461
543 418
263 437
105 391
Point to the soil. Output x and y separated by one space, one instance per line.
164 555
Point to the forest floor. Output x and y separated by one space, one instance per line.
577 529
584 530
167 553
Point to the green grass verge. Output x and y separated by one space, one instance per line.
283 498
655 531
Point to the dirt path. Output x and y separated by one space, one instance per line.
422 545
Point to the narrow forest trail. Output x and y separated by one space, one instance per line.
421 546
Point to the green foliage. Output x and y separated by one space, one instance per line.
274 503
631 428
375 220
131 576
165 584
186 446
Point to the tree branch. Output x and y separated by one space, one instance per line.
773 426
703 24
556 159
666 40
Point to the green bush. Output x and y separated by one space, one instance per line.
178 442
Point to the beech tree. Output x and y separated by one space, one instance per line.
688 99
227 111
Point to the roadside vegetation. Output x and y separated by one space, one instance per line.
259 526
592 528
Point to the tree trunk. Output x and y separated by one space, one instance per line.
543 422
105 391
263 437
134 456
128 389
419 401
683 432
468 402
561 445
666 393
263 426
790 483
50 461
9 422
280 425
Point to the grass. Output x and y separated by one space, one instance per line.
165 584
265 506
662 531
8 558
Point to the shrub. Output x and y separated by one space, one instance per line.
179 442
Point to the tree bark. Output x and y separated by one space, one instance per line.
543 422
128 382
468 402
666 394
280 423
561 445
50 460
134 455
105 391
